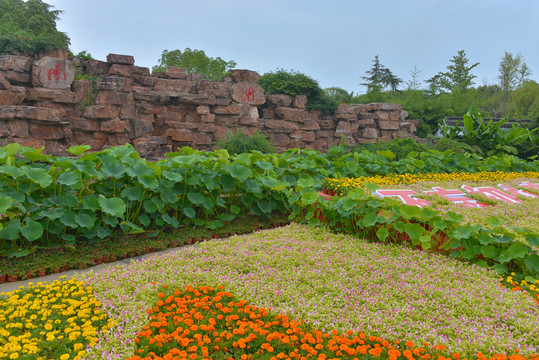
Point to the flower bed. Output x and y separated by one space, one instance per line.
331 281
210 323
56 320
345 184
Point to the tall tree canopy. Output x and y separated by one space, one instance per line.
458 76
380 78
29 27
513 72
195 61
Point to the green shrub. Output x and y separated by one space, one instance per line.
444 144
400 147
322 101
25 43
290 82
239 142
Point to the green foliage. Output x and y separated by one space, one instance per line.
390 221
524 103
399 147
29 27
82 55
239 142
380 78
195 62
290 82
340 95
457 78
513 72
51 201
322 101
489 138
445 144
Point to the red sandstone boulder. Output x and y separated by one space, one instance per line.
244 76
278 126
101 112
369 133
291 114
280 100
120 59
248 93
366 123
310 126
300 102
180 135
115 126
18 128
388 125
386 106
175 72
343 128
113 83
46 132
15 63
306 136
37 114
4 83
52 95
12 97
53 73
232 109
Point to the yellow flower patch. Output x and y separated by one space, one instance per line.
47 320
340 185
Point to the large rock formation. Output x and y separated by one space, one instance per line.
57 102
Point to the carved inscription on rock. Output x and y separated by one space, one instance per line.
248 93
53 73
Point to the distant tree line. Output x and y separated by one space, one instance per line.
452 92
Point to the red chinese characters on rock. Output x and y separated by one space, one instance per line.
456 196
56 72
248 95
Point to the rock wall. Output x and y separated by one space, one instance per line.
116 102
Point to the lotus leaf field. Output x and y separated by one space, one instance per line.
353 277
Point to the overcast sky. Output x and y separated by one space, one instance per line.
333 42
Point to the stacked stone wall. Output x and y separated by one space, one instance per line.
55 102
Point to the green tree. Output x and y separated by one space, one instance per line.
29 27
513 72
195 61
380 78
340 95
413 83
524 102
458 76
290 82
